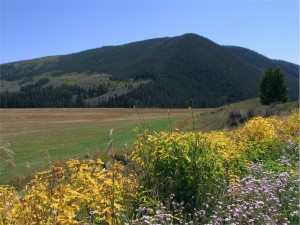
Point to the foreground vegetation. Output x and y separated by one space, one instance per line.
243 176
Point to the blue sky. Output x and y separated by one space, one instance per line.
31 29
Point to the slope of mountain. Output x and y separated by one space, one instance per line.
187 70
261 62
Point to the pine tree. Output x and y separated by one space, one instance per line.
273 87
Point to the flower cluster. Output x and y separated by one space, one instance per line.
263 197
82 192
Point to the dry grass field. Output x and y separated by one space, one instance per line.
40 137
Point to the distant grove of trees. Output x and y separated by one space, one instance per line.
151 95
35 96
68 96
165 94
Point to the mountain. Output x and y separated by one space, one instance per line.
187 70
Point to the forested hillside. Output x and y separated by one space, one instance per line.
261 62
187 70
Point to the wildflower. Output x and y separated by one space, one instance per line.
111 132
290 142
54 212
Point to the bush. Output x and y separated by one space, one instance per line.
271 111
234 117
251 113
188 165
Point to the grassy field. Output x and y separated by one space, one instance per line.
43 136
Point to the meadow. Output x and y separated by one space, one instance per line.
40 137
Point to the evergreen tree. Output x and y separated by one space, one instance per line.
273 87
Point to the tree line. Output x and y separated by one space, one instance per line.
35 96
156 94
